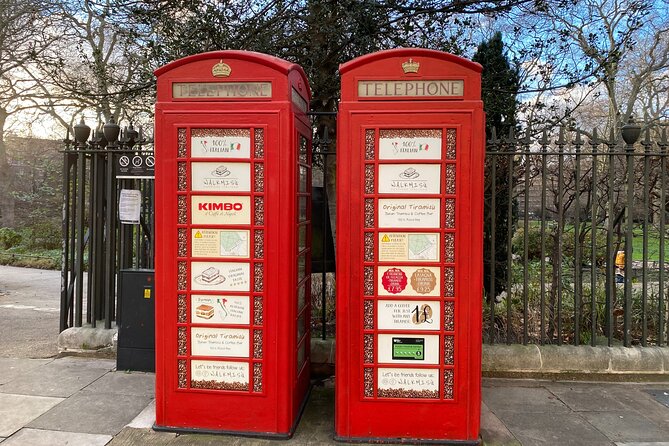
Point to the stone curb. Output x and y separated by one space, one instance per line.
86 339
551 359
497 360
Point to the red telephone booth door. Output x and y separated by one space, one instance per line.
409 248
232 256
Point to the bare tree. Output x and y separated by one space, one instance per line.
22 39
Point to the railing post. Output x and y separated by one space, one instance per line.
630 132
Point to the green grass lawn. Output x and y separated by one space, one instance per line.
653 245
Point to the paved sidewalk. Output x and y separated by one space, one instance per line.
85 401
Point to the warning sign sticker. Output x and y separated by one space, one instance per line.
408 246
224 243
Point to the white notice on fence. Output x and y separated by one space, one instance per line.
129 206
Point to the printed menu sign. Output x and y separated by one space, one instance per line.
218 210
211 372
409 315
220 342
408 281
219 309
409 213
220 143
220 276
221 177
409 178
408 246
398 348
410 144
220 243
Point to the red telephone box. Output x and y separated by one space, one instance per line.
233 186
409 247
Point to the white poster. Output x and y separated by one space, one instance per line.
221 177
220 276
404 348
409 178
409 213
410 144
409 315
408 280
218 210
408 246
220 309
233 342
220 143
224 243
219 372
130 206
409 379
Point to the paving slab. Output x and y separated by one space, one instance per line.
38 437
93 413
12 368
626 426
18 410
645 443
522 399
634 398
146 418
564 429
55 379
124 383
493 431
659 395
581 397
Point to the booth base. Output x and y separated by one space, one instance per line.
407 441
249 434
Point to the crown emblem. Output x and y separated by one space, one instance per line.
221 70
410 66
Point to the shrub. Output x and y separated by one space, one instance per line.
9 238
534 242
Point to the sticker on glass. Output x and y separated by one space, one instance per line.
409 315
217 210
409 178
220 276
406 382
232 342
220 243
408 281
408 246
221 375
410 144
409 213
398 348
220 143
220 309
221 177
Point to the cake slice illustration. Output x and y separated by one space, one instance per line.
210 276
204 311
409 174
221 171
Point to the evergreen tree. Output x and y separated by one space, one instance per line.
499 85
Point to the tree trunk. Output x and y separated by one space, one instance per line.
6 197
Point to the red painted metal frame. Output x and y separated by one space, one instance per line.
274 409
357 416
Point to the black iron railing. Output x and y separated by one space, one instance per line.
575 238
95 245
